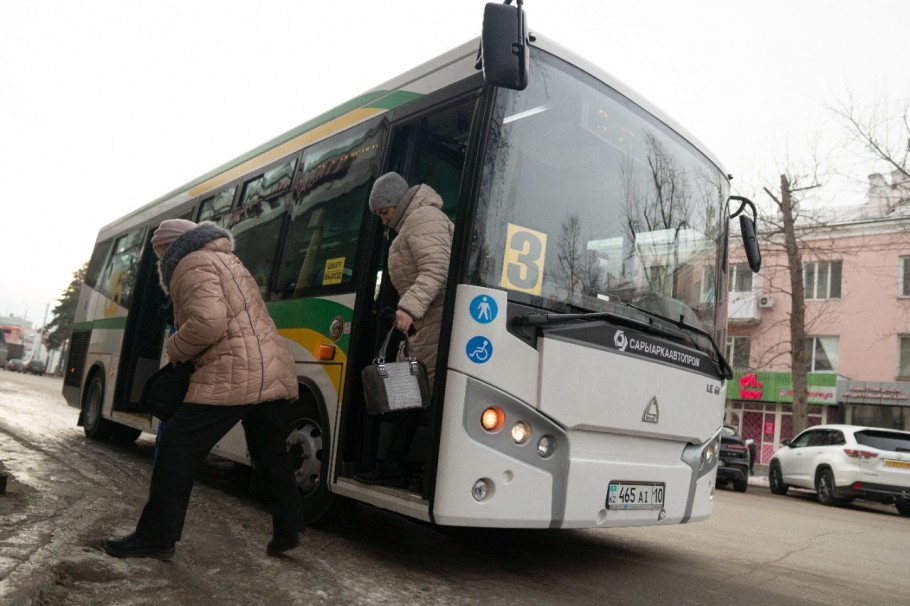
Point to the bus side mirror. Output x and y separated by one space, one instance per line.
504 46
747 228
750 243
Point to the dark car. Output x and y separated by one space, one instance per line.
733 465
35 367
14 364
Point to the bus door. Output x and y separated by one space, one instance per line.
427 146
144 333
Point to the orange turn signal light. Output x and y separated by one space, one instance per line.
492 419
326 352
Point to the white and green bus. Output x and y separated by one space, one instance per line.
579 379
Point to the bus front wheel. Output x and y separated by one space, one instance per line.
308 442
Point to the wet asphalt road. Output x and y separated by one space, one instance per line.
66 493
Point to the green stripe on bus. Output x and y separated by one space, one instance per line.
395 99
314 314
106 323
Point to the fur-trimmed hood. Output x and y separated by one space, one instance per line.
191 241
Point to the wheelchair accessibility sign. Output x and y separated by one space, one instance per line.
479 349
483 309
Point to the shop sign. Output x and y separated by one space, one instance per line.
771 386
874 392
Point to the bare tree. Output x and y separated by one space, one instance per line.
784 232
883 131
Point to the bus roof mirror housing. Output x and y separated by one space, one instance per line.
504 45
747 227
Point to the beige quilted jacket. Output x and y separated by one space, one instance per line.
419 264
223 325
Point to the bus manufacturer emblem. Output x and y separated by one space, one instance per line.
620 340
652 411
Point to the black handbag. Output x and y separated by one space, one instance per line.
164 391
391 386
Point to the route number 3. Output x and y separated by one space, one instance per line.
523 261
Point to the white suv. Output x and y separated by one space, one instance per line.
844 462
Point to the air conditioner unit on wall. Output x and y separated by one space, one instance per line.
766 301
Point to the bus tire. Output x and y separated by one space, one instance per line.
95 426
309 447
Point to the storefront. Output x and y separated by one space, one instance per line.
759 406
875 403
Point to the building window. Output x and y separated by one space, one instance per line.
903 369
905 277
822 279
822 354
739 351
740 277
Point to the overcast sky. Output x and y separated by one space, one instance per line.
106 105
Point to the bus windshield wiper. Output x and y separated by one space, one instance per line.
720 361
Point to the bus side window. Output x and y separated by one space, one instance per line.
257 222
116 281
331 189
96 264
218 208
256 229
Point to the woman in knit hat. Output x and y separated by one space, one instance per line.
418 266
243 372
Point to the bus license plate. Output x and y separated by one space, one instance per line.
635 495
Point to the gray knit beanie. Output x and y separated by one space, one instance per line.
387 191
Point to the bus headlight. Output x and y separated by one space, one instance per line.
545 446
521 432
709 454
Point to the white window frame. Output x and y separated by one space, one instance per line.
903 356
734 345
810 352
903 283
812 291
735 270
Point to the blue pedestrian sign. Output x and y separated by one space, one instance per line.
479 349
483 309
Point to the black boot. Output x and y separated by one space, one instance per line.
279 545
134 546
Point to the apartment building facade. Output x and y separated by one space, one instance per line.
856 276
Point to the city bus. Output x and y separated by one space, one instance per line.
579 380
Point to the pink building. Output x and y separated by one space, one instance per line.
857 287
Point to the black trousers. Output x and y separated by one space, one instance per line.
183 446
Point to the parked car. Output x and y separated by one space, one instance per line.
844 462
733 465
35 367
15 364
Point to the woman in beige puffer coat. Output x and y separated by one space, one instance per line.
418 267
223 326
243 373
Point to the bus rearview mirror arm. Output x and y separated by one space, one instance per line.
748 229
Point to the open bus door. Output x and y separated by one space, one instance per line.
144 334
429 147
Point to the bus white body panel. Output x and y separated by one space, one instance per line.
604 410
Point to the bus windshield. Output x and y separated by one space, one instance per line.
589 203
